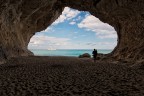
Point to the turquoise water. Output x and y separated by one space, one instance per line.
68 52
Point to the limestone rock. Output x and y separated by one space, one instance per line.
85 55
21 19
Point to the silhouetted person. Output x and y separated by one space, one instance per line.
94 54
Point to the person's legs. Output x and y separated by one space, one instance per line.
94 58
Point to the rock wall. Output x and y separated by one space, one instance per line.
21 19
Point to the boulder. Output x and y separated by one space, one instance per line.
85 55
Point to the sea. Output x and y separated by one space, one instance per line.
67 52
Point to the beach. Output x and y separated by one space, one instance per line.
69 76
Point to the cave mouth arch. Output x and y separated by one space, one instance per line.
21 19
74 30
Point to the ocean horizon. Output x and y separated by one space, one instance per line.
67 52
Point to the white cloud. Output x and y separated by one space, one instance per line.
77 19
75 32
46 42
101 45
103 30
83 35
48 29
75 37
67 14
92 45
90 23
72 23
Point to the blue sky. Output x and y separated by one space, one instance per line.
75 30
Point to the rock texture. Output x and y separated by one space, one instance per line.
21 19
69 76
85 55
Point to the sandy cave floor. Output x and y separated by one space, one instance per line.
69 76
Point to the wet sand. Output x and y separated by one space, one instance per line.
69 76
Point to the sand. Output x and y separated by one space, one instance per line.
69 76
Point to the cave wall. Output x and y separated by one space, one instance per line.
21 19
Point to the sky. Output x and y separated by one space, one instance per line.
75 30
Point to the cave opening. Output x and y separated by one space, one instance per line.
74 30
20 21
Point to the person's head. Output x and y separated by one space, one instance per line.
94 49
